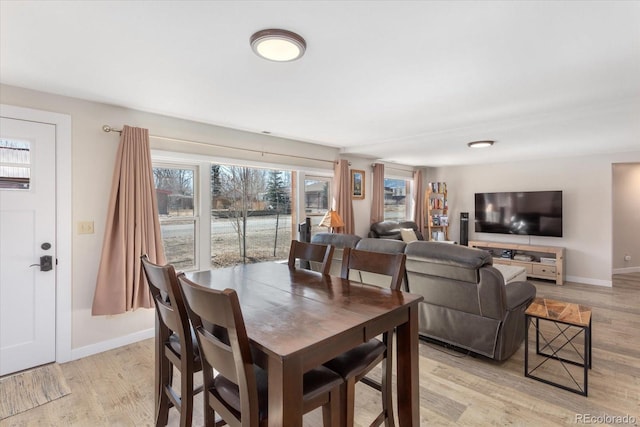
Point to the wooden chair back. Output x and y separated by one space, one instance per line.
212 311
388 264
172 321
311 252
170 307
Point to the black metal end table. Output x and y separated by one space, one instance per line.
567 318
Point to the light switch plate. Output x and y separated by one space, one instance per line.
85 227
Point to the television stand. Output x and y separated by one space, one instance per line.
541 262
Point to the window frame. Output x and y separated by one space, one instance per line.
197 206
409 199
303 176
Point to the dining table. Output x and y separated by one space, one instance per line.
298 319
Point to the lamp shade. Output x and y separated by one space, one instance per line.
332 220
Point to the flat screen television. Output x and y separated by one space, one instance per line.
533 213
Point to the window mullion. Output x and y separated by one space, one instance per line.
204 225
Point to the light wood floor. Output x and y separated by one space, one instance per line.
115 388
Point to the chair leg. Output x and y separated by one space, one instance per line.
209 413
347 401
331 409
387 390
164 375
387 380
186 396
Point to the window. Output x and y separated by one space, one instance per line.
396 195
176 193
15 164
317 200
250 214
215 215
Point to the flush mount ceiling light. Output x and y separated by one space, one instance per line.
278 45
480 144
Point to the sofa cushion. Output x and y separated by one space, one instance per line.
408 235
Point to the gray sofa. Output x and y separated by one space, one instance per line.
466 302
391 229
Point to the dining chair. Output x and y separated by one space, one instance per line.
175 346
311 252
238 389
355 364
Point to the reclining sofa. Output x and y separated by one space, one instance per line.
466 301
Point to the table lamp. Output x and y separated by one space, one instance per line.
331 220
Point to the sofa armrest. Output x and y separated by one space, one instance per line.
519 293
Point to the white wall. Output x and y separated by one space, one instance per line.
626 217
93 157
586 183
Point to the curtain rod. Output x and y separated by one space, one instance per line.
392 168
108 128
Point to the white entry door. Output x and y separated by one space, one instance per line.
27 238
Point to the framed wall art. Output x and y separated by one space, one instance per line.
357 184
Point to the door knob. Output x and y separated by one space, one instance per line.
46 263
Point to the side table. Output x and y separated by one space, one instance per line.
571 320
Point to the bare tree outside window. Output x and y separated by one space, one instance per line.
252 207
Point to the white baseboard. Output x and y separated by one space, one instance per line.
79 353
626 270
589 281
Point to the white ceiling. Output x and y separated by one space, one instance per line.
407 82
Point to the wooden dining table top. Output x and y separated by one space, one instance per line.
289 311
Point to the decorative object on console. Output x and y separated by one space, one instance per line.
506 253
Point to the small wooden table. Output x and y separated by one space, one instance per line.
300 319
566 317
